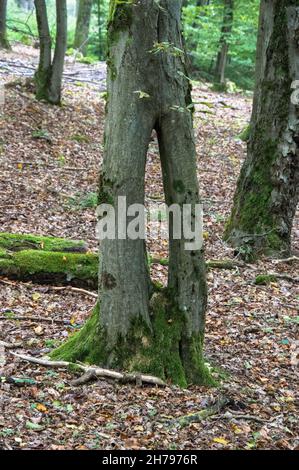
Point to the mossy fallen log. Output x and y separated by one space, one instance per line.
58 261
49 267
49 260
20 242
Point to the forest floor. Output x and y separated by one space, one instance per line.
49 165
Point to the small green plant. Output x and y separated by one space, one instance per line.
80 138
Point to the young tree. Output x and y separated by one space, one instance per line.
82 26
4 44
49 73
134 327
268 188
228 18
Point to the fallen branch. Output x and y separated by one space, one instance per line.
35 319
54 288
286 260
10 345
201 415
211 264
93 371
62 262
229 415
265 279
285 277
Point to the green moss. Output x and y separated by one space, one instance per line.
31 264
105 198
155 350
120 13
245 134
264 279
80 138
179 186
85 345
18 242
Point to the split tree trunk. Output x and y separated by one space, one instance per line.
267 193
49 73
82 26
226 30
134 328
4 44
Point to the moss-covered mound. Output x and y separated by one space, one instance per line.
19 242
47 260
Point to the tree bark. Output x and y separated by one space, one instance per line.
267 192
43 74
25 4
49 73
4 44
228 18
83 24
59 53
133 327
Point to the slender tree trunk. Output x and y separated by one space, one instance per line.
133 327
83 24
59 53
226 30
43 74
4 44
267 193
49 73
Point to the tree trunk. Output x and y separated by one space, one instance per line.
49 74
43 74
4 44
25 4
59 53
267 193
82 26
226 30
133 327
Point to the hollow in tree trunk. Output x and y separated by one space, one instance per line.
134 327
4 44
267 193
49 73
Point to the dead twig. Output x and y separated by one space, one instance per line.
285 277
229 415
34 319
286 260
97 371
54 288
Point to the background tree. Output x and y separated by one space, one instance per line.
25 4
83 24
4 44
267 194
49 73
133 327
228 18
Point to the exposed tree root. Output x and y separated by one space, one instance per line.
93 371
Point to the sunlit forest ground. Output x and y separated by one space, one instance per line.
50 159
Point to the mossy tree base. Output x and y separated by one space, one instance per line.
161 350
157 351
